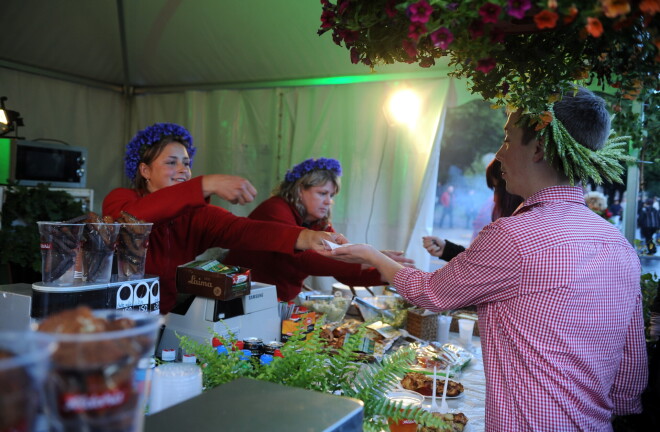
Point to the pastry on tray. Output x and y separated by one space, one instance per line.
423 384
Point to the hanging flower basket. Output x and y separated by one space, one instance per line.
523 53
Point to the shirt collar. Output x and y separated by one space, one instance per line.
553 194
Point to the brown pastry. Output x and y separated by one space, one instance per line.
423 384
91 384
456 422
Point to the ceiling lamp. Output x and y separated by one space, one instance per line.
9 120
403 107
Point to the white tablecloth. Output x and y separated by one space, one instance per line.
473 401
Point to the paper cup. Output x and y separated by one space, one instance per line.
132 247
60 243
91 385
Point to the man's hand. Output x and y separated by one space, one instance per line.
434 245
234 189
310 239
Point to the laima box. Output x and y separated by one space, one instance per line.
210 279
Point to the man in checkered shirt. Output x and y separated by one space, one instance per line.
557 290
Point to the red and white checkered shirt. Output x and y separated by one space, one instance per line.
558 294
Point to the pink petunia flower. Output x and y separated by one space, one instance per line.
327 19
489 12
442 37
518 8
420 12
355 56
486 65
349 36
416 30
497 35
390 10
410 48
343 5
476 29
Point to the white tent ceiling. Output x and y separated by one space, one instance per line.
156 45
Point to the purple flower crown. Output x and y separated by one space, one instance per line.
311 165
148 137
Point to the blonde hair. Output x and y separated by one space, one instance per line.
596 201
291 191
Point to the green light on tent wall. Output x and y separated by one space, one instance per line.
5 159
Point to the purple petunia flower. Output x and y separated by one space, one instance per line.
420 12
489 12
442 37
327 19
355 56
518 8
452 6
390 10
309 165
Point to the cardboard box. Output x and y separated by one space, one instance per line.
191 278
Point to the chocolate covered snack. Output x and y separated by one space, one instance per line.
132 246
59 244
98 244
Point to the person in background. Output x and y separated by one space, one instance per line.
447 203
563 346
158 160
616 209
304 199
648 220
597 203
503 204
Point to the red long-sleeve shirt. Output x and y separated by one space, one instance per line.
560 315
287 272
185 225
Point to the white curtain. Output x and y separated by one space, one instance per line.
388 184
76 114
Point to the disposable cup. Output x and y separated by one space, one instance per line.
465 329
60 243
408 399
24 362
132 247
173 383
98 247
91 385
444 322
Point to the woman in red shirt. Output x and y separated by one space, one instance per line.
304 199
158 160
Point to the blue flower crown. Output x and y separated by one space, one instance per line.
311 165
148 137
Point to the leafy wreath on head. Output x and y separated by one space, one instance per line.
149 136
580 163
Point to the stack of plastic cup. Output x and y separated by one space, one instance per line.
444 321
173 383
465 329
24 362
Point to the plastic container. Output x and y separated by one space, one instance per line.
24 362
374 308
98 248
91 385
60 244
334 307
408 399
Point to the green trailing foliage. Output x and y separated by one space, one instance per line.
310 364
